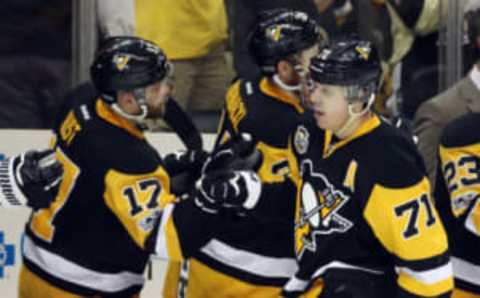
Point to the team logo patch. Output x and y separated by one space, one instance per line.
148 223
301 140
318 213
461 202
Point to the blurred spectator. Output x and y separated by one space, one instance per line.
35 53
116 17
462 98
31 89
194 36
36 27
420 66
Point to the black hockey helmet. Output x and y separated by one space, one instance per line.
127 63
279 34
349 61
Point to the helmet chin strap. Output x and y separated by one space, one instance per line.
139 119
353 116
290 88
139 95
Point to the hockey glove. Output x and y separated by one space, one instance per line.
239 153
184 168
185 161
38 174
237 190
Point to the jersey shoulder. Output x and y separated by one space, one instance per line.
102 145
461 132
268 119
79 95
390 158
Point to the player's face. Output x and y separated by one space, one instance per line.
157 96
329 106
306 57
304 62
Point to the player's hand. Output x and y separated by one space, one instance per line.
38 174
185 161
238 153
184 168
237 190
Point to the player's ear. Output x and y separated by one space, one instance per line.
127 102
285 70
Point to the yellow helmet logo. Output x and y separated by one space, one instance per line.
121 62
275 33
364 51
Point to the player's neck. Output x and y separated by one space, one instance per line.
351 126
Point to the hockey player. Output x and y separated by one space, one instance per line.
365 224
115 204
248 256
30 179
457 196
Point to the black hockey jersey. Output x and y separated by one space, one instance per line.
114 201
260 250
457 193
364 221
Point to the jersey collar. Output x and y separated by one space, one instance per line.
111 117
281 95
368 126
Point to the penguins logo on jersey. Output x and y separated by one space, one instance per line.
318 212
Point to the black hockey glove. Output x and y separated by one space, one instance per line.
38 174
185 161
238 153
184 168
236 190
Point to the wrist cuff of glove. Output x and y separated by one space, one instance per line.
204 202
254 187
11 195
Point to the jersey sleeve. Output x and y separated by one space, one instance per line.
460 168
233 113
173 229
407 225
139 201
